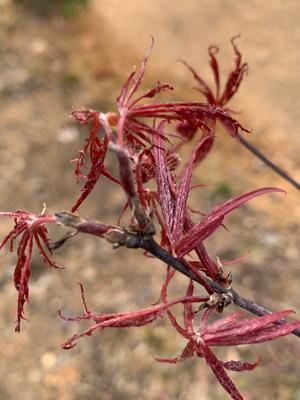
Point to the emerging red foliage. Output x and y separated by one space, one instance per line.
216 97
226 331
96 148
141 136
122 320
233 82
31 228
133 132
208 224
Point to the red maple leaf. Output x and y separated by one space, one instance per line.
227 331
30 228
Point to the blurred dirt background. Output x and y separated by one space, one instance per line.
60 55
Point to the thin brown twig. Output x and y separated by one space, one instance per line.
280 171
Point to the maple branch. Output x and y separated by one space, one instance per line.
268 162
134 240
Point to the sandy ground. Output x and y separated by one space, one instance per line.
48 66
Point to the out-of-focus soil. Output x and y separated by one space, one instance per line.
49 66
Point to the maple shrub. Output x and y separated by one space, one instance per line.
145 138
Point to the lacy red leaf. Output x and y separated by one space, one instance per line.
30 228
